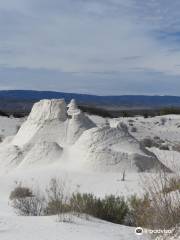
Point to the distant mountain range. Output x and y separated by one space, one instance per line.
123 100
22 100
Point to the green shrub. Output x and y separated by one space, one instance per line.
114 209
83 203
57 207
110 208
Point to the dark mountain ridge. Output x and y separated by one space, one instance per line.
122 100
21 101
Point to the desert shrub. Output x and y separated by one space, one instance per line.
20 192
30 206
59 202
139 211
173 184
163 121
131 121
56 207
148 142
164 147
84 203
125 114
157 138
110 208
26 203
133 129
146 115
57 197
114 209
155 142
164 198
159 208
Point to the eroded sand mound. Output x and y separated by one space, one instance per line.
56 133
43 153
114 149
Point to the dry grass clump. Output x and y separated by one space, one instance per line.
159 208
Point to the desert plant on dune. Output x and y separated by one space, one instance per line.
20 192
57 197
159 208
172 185
26 202
164 194
59 202
109 208
140 211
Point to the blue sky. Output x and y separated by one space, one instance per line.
100 47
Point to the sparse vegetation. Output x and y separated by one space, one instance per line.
57 197
139 211
155 142
57 202
169 110
148 142
145 114
125 114
162 197
159 208
163 121
20 192
110 208
26 202
173 184
133 129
